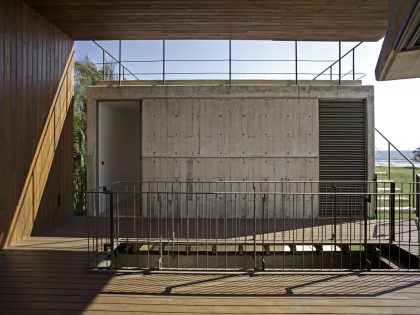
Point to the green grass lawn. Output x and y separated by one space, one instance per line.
398 174
402 216
403 176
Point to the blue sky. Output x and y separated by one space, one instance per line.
397 103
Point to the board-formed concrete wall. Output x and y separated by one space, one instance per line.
197 133
213 139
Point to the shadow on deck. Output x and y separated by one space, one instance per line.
46 275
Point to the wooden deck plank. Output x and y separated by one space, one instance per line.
218 301
46 275
218 309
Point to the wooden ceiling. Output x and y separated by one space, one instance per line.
347 20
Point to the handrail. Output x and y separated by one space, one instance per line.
123 70
390 144
339 60
117 62
308 186
223 60
221 73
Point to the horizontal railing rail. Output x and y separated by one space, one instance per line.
124 73
339 60
402 156
109 72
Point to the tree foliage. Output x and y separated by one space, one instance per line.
416 154
79 162
86 74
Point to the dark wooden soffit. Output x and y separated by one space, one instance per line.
346 20
400 54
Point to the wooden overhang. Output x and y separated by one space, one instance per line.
400 54
315 20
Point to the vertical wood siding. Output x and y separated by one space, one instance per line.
33 56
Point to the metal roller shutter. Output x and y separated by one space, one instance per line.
342 155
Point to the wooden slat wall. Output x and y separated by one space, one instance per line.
33 56
57 202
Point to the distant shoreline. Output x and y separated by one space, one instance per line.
394 163
397 160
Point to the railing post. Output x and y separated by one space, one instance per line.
255 231
296 63
375 180
163 62
103 64
339 63
334 187
389 160
119 62
111 225
417 191
230 61
365 204
392 212
354 70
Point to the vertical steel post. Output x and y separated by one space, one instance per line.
296 63
111 225
335 217
417 191
103 64
389 160
376 200
354 71
230 61
163 62
392 212
339 63
119 62
365 203
255 231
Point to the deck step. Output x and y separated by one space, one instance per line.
388 189
397 198
398 209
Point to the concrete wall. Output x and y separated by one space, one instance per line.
213 139
265 132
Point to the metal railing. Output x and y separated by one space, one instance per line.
252 226
107 66
390 160
329 69
123 73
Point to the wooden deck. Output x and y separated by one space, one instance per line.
46 275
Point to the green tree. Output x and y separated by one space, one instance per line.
416 154
86 74
79 162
